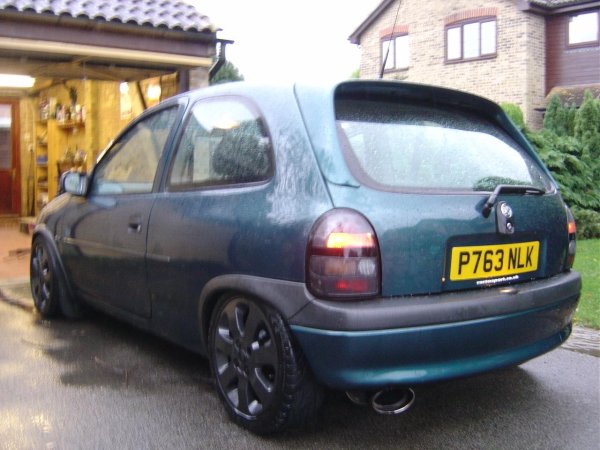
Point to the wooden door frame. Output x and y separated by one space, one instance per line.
15 129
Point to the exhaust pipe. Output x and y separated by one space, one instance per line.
393 401
389 401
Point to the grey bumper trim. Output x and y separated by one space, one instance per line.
401 312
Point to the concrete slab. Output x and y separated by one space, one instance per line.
14 252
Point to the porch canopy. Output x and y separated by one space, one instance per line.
128 40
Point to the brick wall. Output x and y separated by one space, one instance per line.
515 75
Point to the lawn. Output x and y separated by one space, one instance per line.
587 263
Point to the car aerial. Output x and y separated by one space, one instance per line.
363 236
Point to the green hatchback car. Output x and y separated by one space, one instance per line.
366 236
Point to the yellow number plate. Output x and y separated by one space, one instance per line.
489 261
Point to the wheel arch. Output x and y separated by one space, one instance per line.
287 297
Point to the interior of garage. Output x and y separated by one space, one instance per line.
83 72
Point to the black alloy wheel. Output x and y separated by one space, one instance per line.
261 376
43 279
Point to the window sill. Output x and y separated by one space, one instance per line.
591 44
466 60
390 71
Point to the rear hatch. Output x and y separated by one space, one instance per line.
457 198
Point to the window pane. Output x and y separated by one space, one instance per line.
402 52
471 40
403 145
389 63
488 37
131 164
224 142
583 28
5 137
453 43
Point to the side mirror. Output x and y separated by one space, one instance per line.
74 183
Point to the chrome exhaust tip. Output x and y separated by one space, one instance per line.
393 401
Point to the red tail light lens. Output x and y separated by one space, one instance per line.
343 256
571 230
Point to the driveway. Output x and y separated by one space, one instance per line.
97 383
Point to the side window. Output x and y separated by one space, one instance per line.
223 142
398 55
471 40
131 164
583 28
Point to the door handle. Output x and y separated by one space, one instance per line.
134 224
134 227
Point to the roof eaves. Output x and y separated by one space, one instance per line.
558 3
552 7
355 36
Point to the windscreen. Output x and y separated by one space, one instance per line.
396 146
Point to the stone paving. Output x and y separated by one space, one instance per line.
14 252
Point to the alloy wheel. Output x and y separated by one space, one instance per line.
246 357
41 276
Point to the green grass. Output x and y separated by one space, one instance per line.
587 263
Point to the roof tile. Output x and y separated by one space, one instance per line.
171 14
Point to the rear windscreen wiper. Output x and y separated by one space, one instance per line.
508 189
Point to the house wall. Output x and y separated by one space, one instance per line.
569 66
199 78
515 75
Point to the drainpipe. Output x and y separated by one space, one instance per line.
221 59
141 94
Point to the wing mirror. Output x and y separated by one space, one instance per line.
74 183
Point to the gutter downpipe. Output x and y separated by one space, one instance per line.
221 58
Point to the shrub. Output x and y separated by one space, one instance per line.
588 223
515 114
569 145
587 131
556 117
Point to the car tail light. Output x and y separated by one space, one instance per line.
343 256
571 230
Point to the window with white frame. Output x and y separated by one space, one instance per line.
583 28
471 40
397 51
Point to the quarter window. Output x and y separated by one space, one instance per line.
583 28
223 142
131 163
471 40
398 56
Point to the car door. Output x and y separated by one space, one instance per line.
215 193
105 232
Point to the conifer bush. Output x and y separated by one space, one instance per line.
569 145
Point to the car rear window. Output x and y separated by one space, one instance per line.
408 146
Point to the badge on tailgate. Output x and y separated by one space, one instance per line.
489 261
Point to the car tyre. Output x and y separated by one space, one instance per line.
261 376
48 289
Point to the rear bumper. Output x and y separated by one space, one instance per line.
482 331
